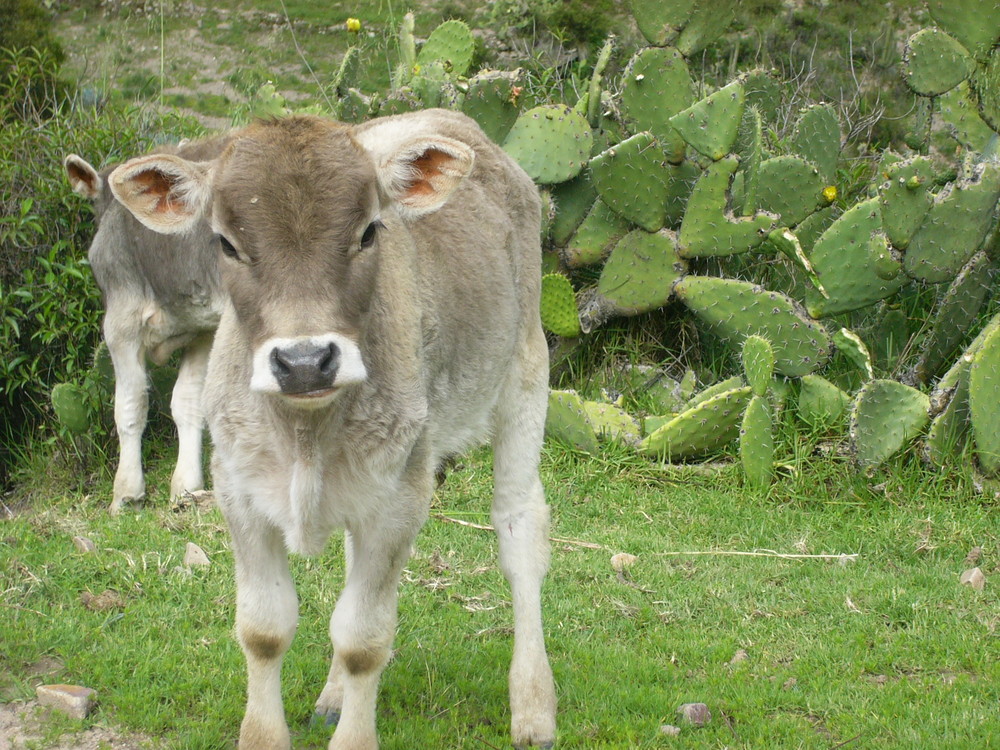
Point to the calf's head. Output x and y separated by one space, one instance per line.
302 207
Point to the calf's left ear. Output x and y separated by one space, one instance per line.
166 193
422 173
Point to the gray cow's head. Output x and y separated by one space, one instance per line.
301 206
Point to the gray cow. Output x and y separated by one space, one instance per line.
383 314
160 294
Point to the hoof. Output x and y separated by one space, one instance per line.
543 746
327 718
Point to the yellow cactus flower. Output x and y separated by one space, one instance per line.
830 193
353 25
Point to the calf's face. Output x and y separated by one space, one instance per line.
298 205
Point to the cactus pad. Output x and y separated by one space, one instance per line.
955 226
934 62
757 443
710 126
984 404
656 85
851 346
974 23
790 187
567 421
763 92
641 271
69 402
596 236
611 422
821 404
551 143
749 147
707 23
986 89
573 200
758 363
707 427
853 261
886 415
949 429
450 43
737 309
631 179
658 21
954 317
959 111
709 229
558 306
492 100
400 101
905 198
817 139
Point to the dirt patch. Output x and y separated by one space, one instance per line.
23 725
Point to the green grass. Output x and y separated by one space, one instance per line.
888 651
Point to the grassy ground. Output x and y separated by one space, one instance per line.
887 651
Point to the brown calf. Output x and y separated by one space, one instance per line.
383 315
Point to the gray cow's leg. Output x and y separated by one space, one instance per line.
131 407
185 407
521 519
266 618
363 624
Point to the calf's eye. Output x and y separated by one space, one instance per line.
227 248
368 238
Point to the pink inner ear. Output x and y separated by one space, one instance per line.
157 185
427 167
85 176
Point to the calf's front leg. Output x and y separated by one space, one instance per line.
266 617
131 406
185 408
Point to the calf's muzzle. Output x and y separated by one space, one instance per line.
305 366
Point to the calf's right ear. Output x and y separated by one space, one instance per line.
166 193
83 178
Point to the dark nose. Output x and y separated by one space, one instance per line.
305 366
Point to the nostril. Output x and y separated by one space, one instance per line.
331 357
279 364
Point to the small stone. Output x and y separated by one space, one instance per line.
670 730
107 599
695 714
83 544
74 700
195 555
974 554
622 560
974 578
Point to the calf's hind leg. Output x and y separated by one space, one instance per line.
185 408
521 519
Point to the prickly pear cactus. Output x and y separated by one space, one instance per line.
955 226
707 22
984 404
948 433
558 306
790 187
885 417
551 143
934 62
656 85
707 427
69 402
851 346
452 44
821 404
567 421
974 23
595 237
630 178
758 363
757 443
709 228
660 22
709 126
853 262
612 422
493 101
905 198
737 309
642 270
817 139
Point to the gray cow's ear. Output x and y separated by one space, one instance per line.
83 178
166 193
420 174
